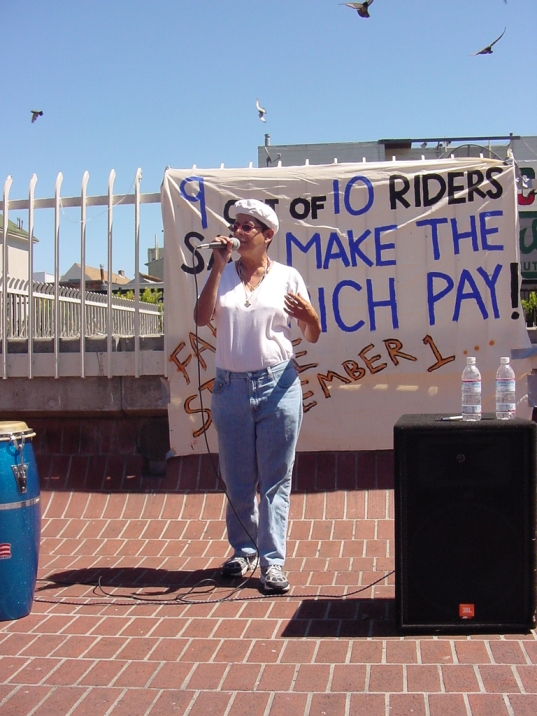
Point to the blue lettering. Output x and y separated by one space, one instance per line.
466 277
322 308
335 250
483 216
335 306
433 223
354 247
467 289
379 247
347 196
335 185
391 302
315 240
457 236
195 198
433 297
491 285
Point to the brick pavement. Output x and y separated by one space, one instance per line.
132 618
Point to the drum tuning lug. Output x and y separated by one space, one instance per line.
21 470
21 475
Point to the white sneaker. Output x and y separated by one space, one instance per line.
273 579
239 565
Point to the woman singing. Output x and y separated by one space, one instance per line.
256 397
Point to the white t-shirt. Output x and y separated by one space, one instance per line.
254 337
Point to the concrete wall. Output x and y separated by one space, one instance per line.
21 398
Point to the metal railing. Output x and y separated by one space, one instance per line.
19 315
54 312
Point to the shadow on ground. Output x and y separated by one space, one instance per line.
316 615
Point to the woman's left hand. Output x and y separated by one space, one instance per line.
298 307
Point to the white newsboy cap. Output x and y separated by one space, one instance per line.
258 210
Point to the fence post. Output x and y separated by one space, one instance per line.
109 311
31 307
137 181
57 207
83 204
5 267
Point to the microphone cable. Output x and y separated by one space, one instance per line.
216 470
207 586
204 587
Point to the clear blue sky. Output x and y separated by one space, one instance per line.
173 82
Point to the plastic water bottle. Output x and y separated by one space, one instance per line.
505 391
471 391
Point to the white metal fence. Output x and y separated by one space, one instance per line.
20 316
37 310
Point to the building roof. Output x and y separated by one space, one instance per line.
92 274
146 281
14 231
523 147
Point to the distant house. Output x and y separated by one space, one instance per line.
17 249
145 281
96 278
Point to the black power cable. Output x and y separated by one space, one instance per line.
205 586
215 469
183 599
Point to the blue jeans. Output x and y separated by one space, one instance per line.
257 416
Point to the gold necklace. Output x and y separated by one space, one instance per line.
247 284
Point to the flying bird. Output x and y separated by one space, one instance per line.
35 114
360 7
488 49
262 111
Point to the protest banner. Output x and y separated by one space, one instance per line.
411 266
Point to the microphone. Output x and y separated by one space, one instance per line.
235 243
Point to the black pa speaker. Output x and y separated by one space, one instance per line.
464 524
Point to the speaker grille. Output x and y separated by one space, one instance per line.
465 525
460 461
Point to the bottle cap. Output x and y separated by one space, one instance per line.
504 360
470 360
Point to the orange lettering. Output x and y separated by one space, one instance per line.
181 366
204 411
439 360
369 361
328 378
352 369
393 346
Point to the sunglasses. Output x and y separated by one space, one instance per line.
246 228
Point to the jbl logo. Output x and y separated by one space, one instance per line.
466 611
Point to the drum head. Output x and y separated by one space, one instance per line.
14 427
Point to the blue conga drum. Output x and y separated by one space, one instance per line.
20 520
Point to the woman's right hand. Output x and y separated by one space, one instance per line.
205 305
221 256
